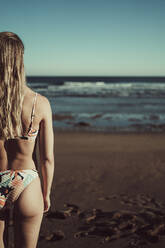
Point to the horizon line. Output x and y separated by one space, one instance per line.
95 76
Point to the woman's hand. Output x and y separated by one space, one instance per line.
46 204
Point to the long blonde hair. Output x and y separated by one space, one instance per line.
12 79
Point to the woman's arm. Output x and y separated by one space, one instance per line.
46 147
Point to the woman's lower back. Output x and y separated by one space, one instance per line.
21 164
15 155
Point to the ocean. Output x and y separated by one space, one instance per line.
106 104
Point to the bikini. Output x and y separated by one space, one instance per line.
13 182
32 133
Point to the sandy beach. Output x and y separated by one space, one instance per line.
108 191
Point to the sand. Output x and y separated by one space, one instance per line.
108 191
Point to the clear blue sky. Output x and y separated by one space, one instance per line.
89 37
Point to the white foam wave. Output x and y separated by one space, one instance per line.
103 89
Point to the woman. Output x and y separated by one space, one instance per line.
24 115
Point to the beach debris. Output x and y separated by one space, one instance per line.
126 225
72 209
142 225
82 124
56 215
90 218
55 236
141 200
63 214
89 213
136 242
110 238
80 234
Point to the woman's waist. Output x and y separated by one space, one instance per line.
9 171
17 163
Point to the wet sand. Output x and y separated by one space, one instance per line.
108 191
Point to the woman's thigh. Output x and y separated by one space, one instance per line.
28 213
2 225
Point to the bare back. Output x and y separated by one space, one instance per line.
18 153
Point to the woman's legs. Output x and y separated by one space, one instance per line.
28 213
2 226
4 223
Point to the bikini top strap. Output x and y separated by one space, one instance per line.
33 108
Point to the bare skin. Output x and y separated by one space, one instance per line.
17 154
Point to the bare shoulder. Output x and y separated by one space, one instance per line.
43 101
43 105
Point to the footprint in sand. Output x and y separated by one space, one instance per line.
55 236
56 215
139 200
72 209
89 214
143 225
136 242
147 224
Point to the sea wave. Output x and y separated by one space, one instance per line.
102 89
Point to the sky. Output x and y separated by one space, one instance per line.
89 37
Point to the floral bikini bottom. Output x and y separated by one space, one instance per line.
12 183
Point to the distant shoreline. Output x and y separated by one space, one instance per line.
96 78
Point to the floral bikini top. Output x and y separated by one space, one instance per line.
32 133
